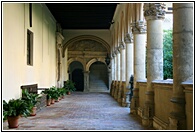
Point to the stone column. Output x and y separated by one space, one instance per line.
129 65
114 73
122 70
154 14
117 73
139 40
86 81
182 61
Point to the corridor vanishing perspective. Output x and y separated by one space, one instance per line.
82 111
131 63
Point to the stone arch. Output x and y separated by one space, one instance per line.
93 61
76 59
82 37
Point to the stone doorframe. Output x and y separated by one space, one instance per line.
87 57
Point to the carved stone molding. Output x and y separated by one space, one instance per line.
128 38
138 27
59 39
87 45
122 45
154 10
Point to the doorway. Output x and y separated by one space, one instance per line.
78 79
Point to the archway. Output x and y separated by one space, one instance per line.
98 78
77 75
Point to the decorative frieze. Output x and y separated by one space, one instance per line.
138 27
154 10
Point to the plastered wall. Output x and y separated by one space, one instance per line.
15 71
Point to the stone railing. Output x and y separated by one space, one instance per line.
163 91
188 90
162 104
142 89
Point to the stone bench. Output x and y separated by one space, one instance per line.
34 89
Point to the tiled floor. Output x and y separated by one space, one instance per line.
82 111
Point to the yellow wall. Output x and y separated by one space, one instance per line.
16 72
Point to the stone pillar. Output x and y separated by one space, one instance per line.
129 66
86 81
182 61
139 40
59 40
122 71
117 73
154 14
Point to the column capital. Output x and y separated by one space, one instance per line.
117 50
153 11
128 38
113 54
138 27
122 45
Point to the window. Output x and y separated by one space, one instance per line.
29 47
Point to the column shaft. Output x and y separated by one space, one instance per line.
182 61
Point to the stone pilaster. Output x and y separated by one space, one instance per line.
86 81
154 14
59 40
139 40
182 61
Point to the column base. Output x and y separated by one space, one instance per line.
133 111
147 122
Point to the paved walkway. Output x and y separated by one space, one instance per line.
82 111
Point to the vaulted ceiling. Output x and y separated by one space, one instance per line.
83 15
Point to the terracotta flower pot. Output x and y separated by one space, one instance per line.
33 113
13 121
52 101
57 100
68 93
62 97
48 102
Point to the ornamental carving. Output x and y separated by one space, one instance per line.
87 45
154 10
128 38
138 27
122 45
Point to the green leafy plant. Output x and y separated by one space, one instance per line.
62 91
167 54
16 107
70 86
30 98
48 93
54 93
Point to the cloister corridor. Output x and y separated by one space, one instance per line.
82 111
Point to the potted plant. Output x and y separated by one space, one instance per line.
70 86
48 96
54 94
62 92
14 109
31 99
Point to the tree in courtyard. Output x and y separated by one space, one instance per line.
167 54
